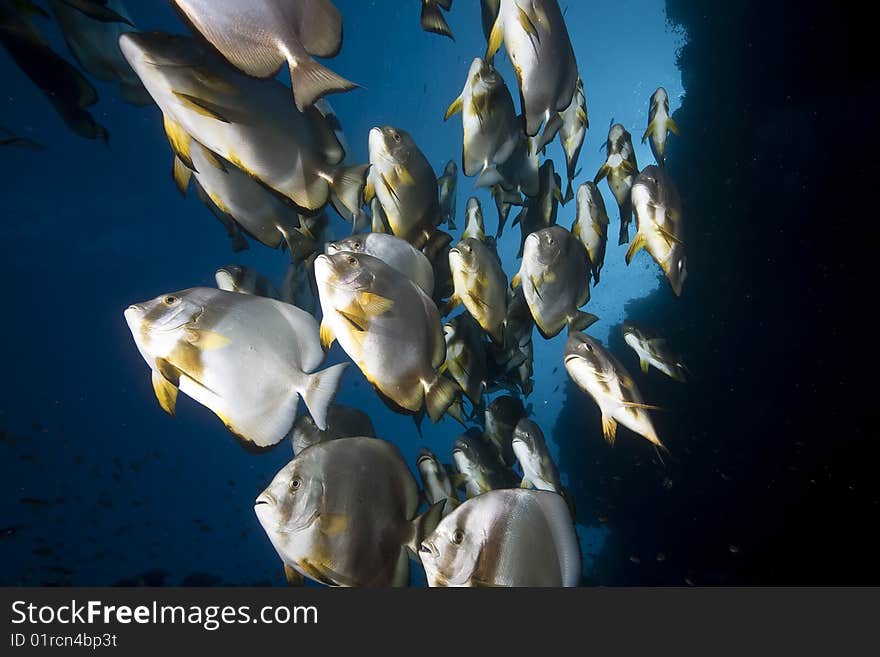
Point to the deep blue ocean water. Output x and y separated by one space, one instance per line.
128 491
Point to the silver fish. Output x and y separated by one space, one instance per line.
597 372
259 37
394 252
342 422
555 277
653 349
660 124
537 42
343 513
447 184
590 226
433 19
246 358
500 419
659 224
540 212
480 284
466 356
435 481
474 226
482 543
245 280
530 447
480 469
298 287
621 169
572 133
245 120
489 122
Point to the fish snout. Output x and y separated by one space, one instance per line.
265 498
427 548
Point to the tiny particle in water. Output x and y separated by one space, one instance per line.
689 581
661 557
635 559
34 501
733 549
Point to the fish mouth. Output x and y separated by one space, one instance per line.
427 548
264 498
570 358
332 248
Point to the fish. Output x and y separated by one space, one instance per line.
572 132
9 532
245 280
237 240
435 481
69 92
479 467
245 120
482 543
437 251
342 422
500 419
466 356
474 226
446 185
660 124
541 211
403 180
246 358
536 39
344 512
260 37
597 372
621 169
9 138
504 202
480 284
659 224
398 254
530 447
298 287
433 19
489 123
555 277
95 45
652 349
590 226
240 199
389 327
105 11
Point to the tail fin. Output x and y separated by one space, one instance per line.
320 392
348 189
301 246
239 243
439 396
569 193
489 177
623 238
433 20
312 81
581 321
424 525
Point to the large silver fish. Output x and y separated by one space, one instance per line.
591 225
489 122
505 538
394 252
555 277
433 19
403 180
298 287
653 349
474 227
246 358
436 482
597 372
530 447
259 36
659 224
621 169
466 356
342 422
95 45
343 513
243 200
537 42
500 419
540 212
245 280
479 467
572 133
660 124
480 284
247 121
389 327
446 185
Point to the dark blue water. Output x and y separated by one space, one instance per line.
125 490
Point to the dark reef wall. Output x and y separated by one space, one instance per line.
773 476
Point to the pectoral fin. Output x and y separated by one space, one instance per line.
374 304
333 523
454 108
181 175
180 141
609 429
635 246
672 126
649 131
327 337
645 365
496 38
201 106
166 393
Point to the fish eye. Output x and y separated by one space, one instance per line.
170 300
357 245
458 537
396 136
351 260
295 483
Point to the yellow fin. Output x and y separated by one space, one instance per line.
672 126
645 365
206 340
603 172
374 304
635 246
292 576
496 38
526 23
647 407
648 131
181 175
327 336
549 276
166 393
200 106
628 167
333 523
180 141
369 190
454 108
404 177
576 229
609 429
515 282
213 160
